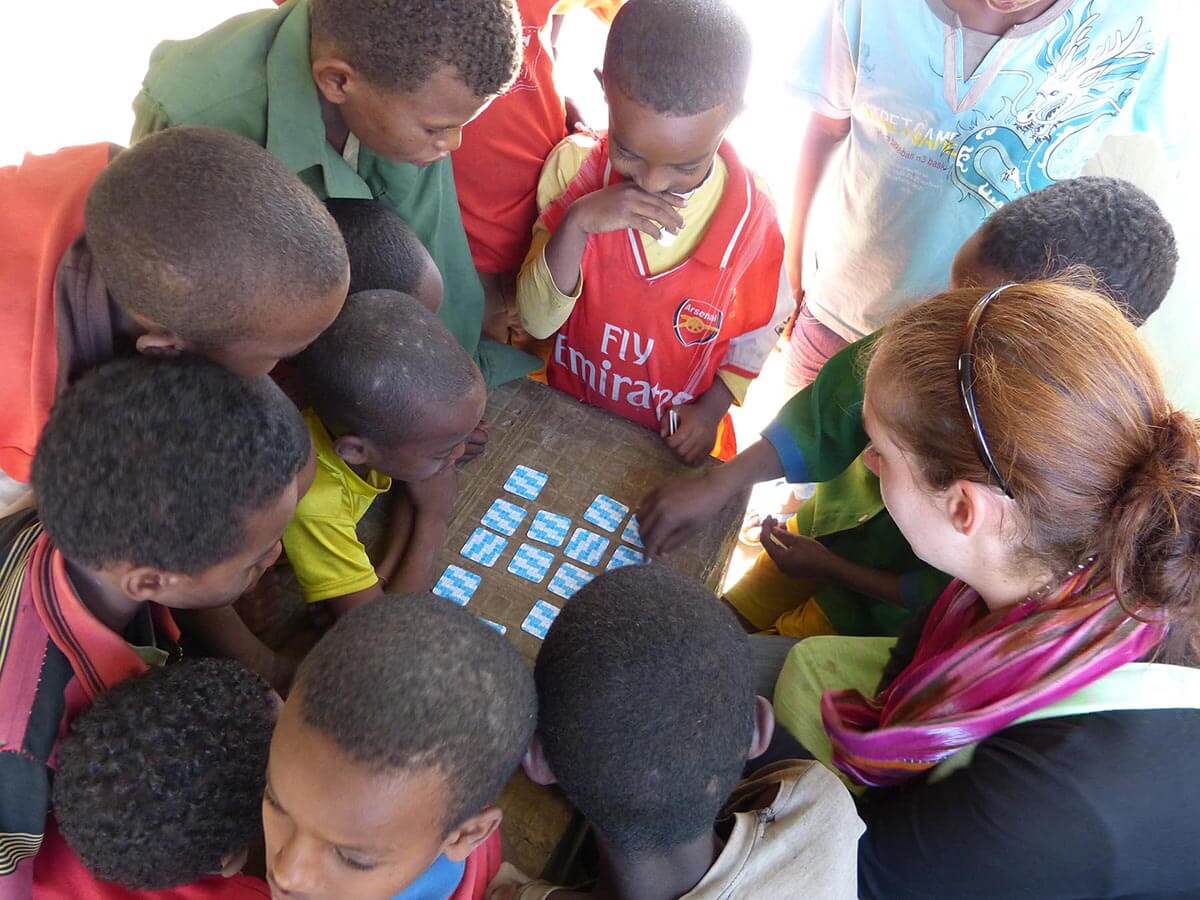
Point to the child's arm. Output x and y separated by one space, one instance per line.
821 138
804 557
432 504
222 632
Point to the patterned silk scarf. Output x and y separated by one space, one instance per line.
975 672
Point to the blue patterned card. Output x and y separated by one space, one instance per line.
606 512
624 556
540 618
483 547
531 563
457 585
503 516
549 528
568 579
587 547
526 482
633 532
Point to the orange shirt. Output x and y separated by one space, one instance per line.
497 167
41 215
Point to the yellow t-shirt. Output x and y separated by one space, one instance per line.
321 540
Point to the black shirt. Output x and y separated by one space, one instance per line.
1087 806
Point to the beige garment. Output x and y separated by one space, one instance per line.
801 843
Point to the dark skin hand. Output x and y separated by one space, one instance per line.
698 423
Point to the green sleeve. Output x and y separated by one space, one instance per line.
819 432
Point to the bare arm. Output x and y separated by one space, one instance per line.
222 632
432 502
821 138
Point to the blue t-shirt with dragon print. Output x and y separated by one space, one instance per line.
932 150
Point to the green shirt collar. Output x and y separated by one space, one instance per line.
295 130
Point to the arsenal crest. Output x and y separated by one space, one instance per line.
697 323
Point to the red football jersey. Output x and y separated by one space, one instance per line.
636 343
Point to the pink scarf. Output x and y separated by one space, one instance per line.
976 672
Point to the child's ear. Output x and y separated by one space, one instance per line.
535 765
159 343
332 76
144 583
969 505
352 449
234 863
764 727
463 840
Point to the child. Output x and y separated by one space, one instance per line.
941 111
360 99
196 241
394 398
657 257
385 254
160 785
503 149
860 558
406 721
161 484
646 717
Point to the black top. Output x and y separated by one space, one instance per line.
1088 806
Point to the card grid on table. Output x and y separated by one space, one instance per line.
540 618
531 563
587 547
484 547
605 512
503 516
526 482
549 528
569 579
457 585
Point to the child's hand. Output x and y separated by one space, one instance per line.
695 433
434 497
626 205
795 554
669 513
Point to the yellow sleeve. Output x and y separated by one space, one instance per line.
327 557
542 306
737 384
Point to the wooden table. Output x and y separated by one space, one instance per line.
586 452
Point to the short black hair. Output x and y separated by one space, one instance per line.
646 705
158 462
679 57
399 44
385 254
162 778
414 682
384 366
209 236
1107 224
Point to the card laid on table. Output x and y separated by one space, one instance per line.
568 579
540 618
549 528
587 547
503 516
632 533
457 585
483 547
531 563
526 482
624 556
606 513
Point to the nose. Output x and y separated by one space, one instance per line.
294 869
450 142
653 181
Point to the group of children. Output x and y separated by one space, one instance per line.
289 208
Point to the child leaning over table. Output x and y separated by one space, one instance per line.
658 258
394 399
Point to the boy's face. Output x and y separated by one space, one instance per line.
662 153
289 334
969 269
222 584
439 445
336 829
418 127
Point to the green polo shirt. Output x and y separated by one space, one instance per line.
819 437
252 75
